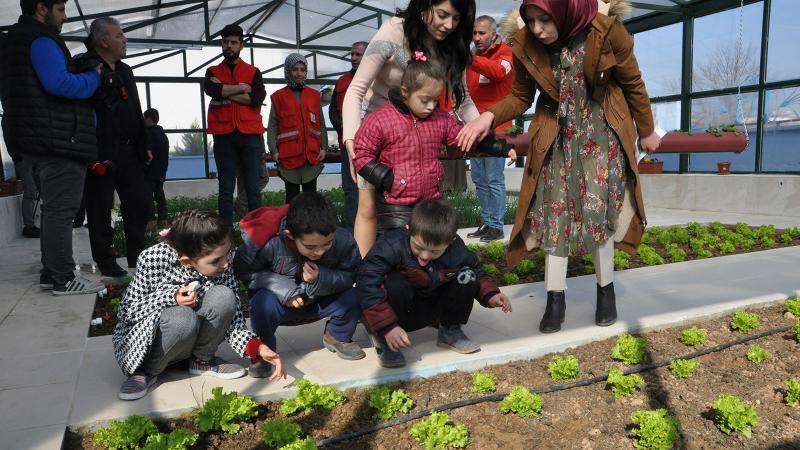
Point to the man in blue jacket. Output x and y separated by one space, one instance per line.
48 120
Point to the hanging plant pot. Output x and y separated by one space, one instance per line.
651 167
7 188
724 167
702 141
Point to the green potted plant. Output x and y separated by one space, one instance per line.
650 165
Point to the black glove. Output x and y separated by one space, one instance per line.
86 62
380 175
493 146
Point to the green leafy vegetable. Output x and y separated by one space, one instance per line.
178 439
683 368
483 382
309 396
436 433
524 267
629 349
756 354
745 321
495 249
511 278
280 432
224 411
733 415
623 385
302 444
473 247
622 260
675 253
649 256
388 404
693 336
657 429
792 397
127 434
793 306
522 402
490 269
563 368
796 331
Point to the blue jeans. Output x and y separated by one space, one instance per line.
267 313
245 151
350 191
490 184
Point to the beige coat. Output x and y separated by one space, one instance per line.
615 82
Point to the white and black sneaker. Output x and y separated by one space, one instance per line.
76 286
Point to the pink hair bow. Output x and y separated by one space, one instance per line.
420 56
164 233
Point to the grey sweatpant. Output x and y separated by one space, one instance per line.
184 332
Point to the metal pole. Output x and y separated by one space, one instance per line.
762 92
297 23
686 84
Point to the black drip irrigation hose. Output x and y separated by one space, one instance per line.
545 390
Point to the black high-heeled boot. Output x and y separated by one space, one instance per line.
553 313
606 313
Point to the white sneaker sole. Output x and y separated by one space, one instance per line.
137 395
222 376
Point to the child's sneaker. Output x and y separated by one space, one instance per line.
345 350
217 367
260 369
76 286
135 387
451 336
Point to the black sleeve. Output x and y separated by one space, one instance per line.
213 90
335 114
258 93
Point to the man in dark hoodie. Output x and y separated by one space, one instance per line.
156 172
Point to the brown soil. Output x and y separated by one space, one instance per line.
585 417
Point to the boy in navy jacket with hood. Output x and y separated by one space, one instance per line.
302 267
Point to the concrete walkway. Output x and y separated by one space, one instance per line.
52 376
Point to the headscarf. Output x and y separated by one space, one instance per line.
570 16
291 60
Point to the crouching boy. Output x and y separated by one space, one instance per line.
423 275
303 267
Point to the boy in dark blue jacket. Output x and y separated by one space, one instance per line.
303 267
423 275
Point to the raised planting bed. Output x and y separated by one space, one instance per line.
659 246
574 404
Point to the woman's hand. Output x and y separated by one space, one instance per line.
350 146
512 155
650 143
321 157
474 131
273 358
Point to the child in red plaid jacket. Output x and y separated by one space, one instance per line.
397 147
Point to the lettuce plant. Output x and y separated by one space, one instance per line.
675 253
622 260
279 432
495 250
510 278
224 411
483 382
792 397
656 429
490 269
178 439
793 306
436 433
745 321
796 331
629 349
623 385
693 336
756 354
649 256
126 434
683 368
733 415
388 404
301 444
566 368
522 402
524 267
309 396
473 247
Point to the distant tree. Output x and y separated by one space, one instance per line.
191 143
726 66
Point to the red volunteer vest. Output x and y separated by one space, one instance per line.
341 90
225 116
299 134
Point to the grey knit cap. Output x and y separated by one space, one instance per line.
291 60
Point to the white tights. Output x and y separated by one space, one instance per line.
555 267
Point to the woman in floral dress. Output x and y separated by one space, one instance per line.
580 192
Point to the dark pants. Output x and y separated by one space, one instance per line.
29 191
60 183
157 188
127 178
245 151
350 190
451 304
267 313
293 190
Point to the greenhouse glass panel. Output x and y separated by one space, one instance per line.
718 111
667 116
178 104
718 61
780 151
784 31
187 155
658 52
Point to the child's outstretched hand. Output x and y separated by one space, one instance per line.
397 339
186 296
310 272
273 358
500 300
296 302
512 155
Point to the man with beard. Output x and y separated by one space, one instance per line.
335 113
123 152
234 118
489 79
48 121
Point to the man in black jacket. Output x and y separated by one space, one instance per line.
123 152
156 172
48 121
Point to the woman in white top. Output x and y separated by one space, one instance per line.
442 31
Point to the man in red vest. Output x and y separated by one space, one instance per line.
234 118
335 113
489 79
